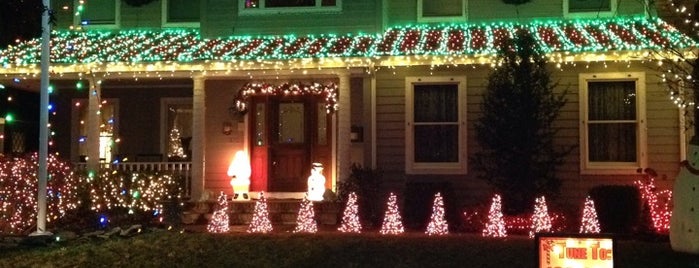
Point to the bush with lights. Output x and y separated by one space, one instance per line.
79 201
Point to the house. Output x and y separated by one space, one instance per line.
341 82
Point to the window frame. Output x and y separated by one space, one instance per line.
164 18
262 10
77 20
594 14
613 168
462 18
164 130
412 167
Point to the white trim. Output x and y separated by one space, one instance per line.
605 168
422 18
164 18
372 106
77 20
683 133
435 168
262 10
597 14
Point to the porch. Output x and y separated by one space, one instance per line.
181 170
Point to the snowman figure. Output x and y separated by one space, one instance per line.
684 224
316 183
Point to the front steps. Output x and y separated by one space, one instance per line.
281 212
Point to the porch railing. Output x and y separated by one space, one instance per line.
179 169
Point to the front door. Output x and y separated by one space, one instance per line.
289 133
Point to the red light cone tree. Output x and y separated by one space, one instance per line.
589 224
392 221
541 221
305 222
495 227
438 224
260 220
350 217
219 221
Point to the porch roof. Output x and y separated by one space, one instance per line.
185 50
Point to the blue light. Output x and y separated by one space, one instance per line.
16 80
82 139
50 107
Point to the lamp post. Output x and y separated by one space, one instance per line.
43 121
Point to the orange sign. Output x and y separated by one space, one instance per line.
575 251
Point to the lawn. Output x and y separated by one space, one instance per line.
324 249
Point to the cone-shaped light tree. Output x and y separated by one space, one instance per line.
541 221
495 227
589 224
350 217
305 221
392 221
219 221
260 220
438 224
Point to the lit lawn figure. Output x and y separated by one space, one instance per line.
239 171
316 183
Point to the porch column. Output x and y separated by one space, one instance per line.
93 126
198 143
344 113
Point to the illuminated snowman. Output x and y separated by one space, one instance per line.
684 224
316 183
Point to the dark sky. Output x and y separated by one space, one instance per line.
19 19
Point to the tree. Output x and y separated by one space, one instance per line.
219 221
516 130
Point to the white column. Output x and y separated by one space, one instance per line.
344 115
198 137
93 126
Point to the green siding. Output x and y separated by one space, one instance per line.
662 116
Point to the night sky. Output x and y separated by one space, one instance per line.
19 19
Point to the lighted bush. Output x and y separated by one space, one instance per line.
138 191
18 192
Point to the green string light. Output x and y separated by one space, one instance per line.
185 46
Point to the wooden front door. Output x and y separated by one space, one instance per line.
288 134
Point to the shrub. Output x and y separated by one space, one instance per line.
417 207
366 183
618 208
18 187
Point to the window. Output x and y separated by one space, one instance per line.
253 7
107 128
100 14
435 131
589 8
176 128
181 13
612 112
441 10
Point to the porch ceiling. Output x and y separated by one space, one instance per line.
181 53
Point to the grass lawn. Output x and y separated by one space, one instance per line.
325 249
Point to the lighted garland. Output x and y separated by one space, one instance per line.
184 46
329 91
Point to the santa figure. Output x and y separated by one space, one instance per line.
316 183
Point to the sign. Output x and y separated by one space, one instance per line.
575 251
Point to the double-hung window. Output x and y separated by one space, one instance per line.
613 122
258 7
589 8
442 10
181 13
99 14
435 117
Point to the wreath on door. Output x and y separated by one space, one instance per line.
138 3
